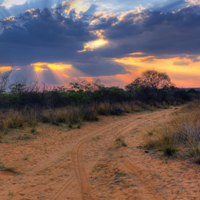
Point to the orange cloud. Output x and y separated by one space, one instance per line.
184 72
46 66
5 69
135 54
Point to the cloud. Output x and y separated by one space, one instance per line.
11 3
40 36
193 2
91 41
152 32
183 71
47 36
90 46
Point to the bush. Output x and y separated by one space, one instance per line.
169 150
183 131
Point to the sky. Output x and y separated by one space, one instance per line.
113 41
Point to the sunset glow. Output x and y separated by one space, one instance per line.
113 40
5 69
177 68
61 73
100 99
54 66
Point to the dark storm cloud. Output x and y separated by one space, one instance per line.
100 68
154 33
40 36
54 36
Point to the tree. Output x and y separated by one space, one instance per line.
151 79
4 78
86 86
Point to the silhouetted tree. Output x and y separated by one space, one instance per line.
151 79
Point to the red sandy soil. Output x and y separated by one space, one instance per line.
87 164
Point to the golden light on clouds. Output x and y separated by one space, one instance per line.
4 69
90 46
62 73
37 69
173 65
136 53
40 66
78 5
183 71
10 3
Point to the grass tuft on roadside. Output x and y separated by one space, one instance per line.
120 142
183 132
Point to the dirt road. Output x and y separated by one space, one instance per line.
94 163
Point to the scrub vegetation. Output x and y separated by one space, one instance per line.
181 136
24 104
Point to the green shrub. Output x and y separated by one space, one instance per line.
120 142
24 137
169 150
7 169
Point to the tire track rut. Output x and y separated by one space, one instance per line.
77 153
77 173
78 163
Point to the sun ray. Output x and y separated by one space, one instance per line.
62 73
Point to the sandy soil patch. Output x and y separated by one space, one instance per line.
94 163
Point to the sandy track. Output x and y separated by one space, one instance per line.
88 166
123 127
76 150
78 159
147 186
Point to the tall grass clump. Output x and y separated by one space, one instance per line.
182 132
12 119
61 115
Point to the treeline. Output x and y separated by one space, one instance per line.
28 104
21 96
151 88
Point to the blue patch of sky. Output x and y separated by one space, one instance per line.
116 6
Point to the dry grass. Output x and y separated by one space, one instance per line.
70 115
11 119
126 107
61 115
182 132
